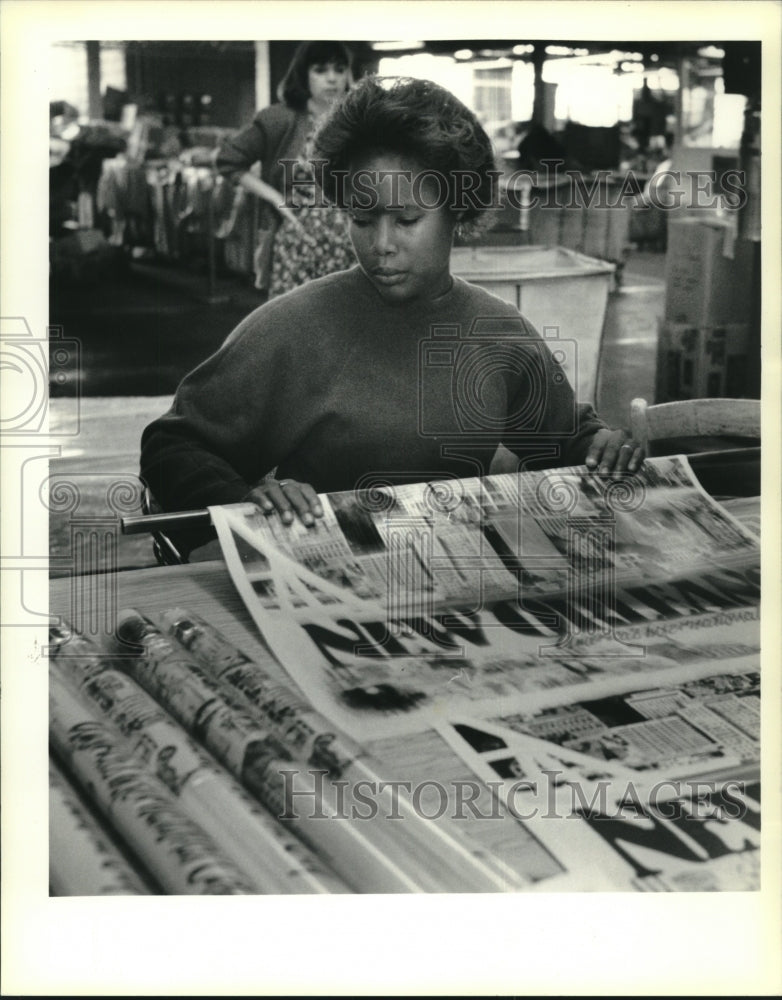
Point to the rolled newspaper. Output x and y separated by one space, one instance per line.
259 844
447 853
178 854
83 858
367 855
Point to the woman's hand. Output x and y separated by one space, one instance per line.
287 497
276 199
614 452
292 219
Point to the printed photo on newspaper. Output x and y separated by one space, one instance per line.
510 593
652 813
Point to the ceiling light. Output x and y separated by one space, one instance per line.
711 52
393 46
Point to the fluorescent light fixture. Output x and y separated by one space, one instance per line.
463 54
393 46
522 50
498 62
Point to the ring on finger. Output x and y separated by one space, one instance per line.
283 482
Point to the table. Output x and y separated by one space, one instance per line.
207 589
98 440
90 603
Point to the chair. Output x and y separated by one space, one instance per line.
695 424
165 551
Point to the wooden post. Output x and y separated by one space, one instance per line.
94 101
538 101
263 89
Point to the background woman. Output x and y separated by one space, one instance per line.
298 239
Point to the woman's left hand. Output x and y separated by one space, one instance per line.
614 453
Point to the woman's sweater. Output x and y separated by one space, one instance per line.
329 384
275 133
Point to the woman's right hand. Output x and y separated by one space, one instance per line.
276 199
288 497
290 217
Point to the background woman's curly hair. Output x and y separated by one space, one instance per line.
420 121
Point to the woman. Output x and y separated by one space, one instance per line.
392 369
298 239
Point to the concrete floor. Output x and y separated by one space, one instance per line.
629 354
138 336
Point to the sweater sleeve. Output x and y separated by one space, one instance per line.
241 151
227 425
544 407
266 138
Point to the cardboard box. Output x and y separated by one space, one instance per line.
701 362
708 273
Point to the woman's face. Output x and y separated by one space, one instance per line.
403 243
327 82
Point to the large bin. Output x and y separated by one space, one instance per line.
562 293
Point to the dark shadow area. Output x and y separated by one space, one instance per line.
141 328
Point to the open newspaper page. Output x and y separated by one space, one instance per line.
495 597
657 790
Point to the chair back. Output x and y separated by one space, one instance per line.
727 419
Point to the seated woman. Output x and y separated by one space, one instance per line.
392 370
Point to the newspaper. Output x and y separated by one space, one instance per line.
641 817
369 856
176 853
259 845
84 859
407 604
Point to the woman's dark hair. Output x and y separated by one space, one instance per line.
415 119
294 88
